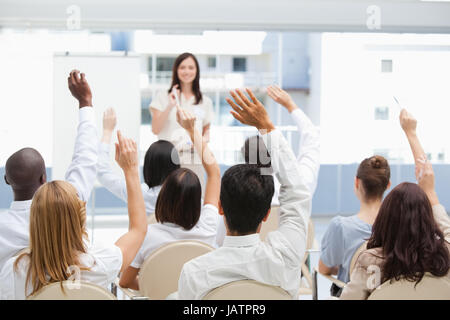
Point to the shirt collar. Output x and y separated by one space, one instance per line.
242 241
20 205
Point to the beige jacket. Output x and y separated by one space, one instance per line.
368 269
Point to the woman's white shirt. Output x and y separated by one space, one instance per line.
115 183
159 234
171 130
104 263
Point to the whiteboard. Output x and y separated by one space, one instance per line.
114 81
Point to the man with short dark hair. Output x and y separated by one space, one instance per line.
246 194
25 173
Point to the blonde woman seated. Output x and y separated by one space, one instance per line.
411 233
179 211
58 237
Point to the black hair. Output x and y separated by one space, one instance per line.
255 152
160 160
245 196
179 200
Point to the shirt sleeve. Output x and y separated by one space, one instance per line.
109 260
106 176
83 169
138 259
7 286
209 113
295 201
309 149
442 220
160 101
208 219
332 245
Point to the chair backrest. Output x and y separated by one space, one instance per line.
72 291
429 288
355 257
247 290
271 224
159 273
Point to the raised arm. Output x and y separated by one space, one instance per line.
130 242
424 172
309 145
82 170
105 173
159 117
212 192
409 125
295 199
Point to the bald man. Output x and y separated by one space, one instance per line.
25 173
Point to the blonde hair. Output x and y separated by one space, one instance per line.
57 229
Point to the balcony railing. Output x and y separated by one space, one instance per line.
213 80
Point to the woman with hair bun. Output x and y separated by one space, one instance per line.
346 234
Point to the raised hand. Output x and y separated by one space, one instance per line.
126 153
79 87
109 120
407 122
185 119
172 99
282 97
249 112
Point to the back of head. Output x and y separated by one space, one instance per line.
57 228
255 152
179 200
245 196
374 173
406 231
24 170
160 160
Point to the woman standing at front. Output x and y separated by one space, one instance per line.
186 85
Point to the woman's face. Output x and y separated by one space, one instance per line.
187 70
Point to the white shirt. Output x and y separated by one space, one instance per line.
104 264
172 131
277 261
308 161
159 234
116 184
14 224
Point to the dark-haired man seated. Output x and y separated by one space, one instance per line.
245 199
25 173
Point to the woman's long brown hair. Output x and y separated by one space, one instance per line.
57 229
411 241
195 83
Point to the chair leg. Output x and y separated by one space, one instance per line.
114 289
314 285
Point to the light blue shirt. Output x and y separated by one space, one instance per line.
340 242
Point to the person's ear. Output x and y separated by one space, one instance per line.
356 183
267 215
43 179
6 180
389 184
220 209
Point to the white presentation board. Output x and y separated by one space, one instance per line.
114 81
